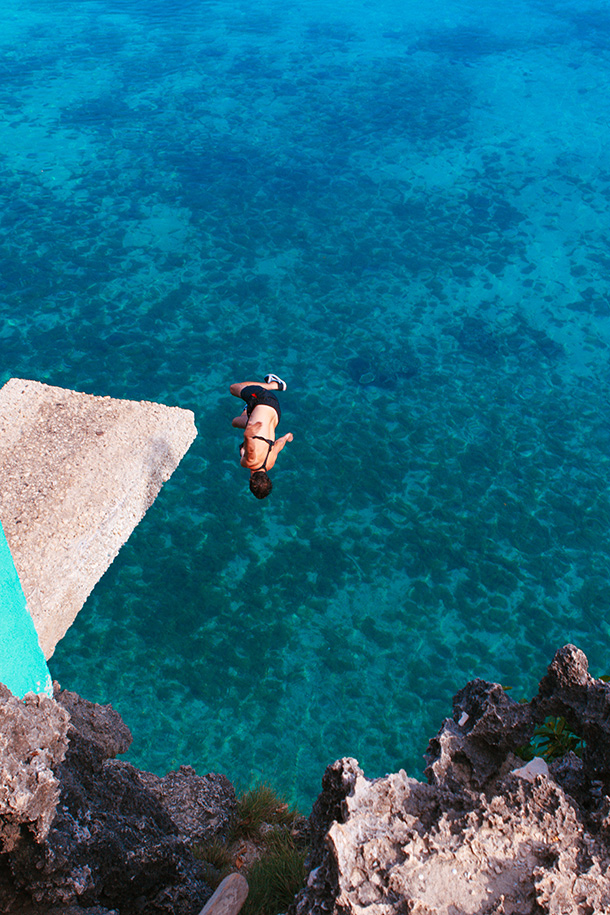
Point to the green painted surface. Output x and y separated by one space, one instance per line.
22 664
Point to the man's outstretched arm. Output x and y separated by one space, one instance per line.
281 442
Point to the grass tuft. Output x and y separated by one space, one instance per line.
276 877
265 829
262 805
217 860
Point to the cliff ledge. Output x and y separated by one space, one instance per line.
488 834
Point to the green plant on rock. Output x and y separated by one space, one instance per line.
552 740
261 805
276 877
217 860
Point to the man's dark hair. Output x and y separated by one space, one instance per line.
260 484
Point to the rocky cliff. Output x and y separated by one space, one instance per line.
487 834
81 832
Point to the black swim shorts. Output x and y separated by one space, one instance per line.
254 395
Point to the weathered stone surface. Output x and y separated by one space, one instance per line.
77 474
479 839
201 806
96 732
409 847
471 753
493 725
337 784
33 742
111 843
13 902
103 840
570 691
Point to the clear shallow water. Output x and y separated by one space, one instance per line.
402 210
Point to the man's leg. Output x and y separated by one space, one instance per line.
237 387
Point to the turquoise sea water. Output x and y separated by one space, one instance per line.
402 208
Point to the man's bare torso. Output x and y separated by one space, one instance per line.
261 425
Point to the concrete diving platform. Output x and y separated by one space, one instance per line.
77 474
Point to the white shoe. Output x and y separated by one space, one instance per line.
281 384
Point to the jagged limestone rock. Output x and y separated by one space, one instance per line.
473 753
102 838
479 839
413 846
96 732
570 691
493 725
201 806
33 742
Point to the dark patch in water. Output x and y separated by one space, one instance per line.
325 32
590 25
592 303
102 113
381 372
528 344
465 44
475 337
